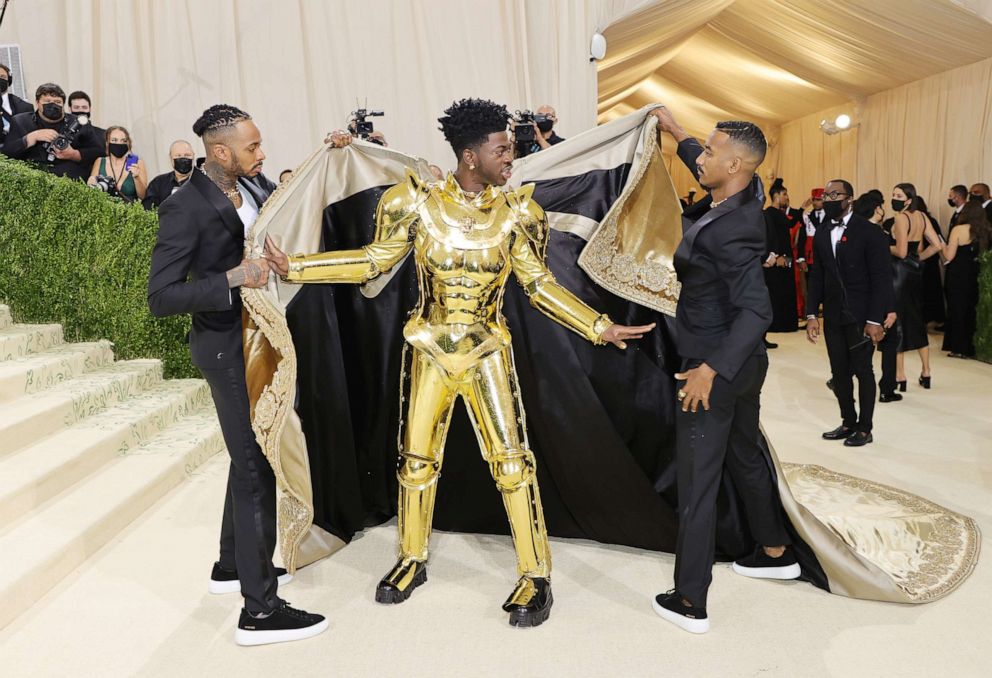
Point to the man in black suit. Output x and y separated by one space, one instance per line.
197 266
980 192
31 134
957 197
722 315
852 278
10 103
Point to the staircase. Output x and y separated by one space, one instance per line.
87 444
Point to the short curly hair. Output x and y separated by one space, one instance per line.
469 122
218 118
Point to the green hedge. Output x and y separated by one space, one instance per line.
983 335
69 254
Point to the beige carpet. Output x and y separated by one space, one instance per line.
140 607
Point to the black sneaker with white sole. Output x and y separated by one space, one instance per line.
282 625
760 565
223 580
671 607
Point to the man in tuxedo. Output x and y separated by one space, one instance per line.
722 315
10 103
957 197
980 192
852 278
197 266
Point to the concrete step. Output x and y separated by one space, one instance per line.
17 341
39 371
28 419
37 553
38 472
5 319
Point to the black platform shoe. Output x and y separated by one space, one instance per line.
397 586
901 385
530 603
925 382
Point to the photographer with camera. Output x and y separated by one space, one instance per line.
533 132
59 142
121 173
361 127
79 104
10 103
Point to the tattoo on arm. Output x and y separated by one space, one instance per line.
236 277
254 273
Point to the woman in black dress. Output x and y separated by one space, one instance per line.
779 277
909 230
969 238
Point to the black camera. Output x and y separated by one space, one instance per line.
108 185
523 125
68 135
360 125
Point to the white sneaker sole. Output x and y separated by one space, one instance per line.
249 638
786 572
696 626
219 588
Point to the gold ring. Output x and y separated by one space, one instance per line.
681 394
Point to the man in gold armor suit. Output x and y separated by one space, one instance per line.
467 235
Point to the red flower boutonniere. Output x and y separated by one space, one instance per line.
843 238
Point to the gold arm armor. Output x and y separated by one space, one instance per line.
529 243
394 218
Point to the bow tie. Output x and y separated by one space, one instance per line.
838 224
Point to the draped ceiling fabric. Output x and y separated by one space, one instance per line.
301 66
914 74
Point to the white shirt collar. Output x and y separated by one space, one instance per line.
847 218
957 210
986 203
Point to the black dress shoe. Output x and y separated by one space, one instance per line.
769 344
858 439
889 397
840 433
530 603
397 586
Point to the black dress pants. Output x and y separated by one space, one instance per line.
248 529
845 365
725 436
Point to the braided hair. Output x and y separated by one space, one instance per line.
746 134
469 122
220 117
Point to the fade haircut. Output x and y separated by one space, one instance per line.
746 134
960 190
848 188
469 122
218 120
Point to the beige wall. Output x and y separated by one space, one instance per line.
933 133
298 65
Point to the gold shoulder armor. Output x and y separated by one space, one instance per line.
530 216
399 203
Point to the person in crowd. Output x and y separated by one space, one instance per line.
38 137
545 136
968 239
851 278
910 228
778 263
980 193
794 216
161 187
124 169
812 218
933 285
10 103
957 197
285 175
872 207
79 104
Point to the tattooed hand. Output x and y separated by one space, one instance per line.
250 273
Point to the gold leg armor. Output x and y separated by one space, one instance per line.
492 395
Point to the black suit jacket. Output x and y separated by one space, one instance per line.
855 286
200 238
17 106
724 309
86 142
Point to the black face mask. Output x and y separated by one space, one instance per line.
546 125
118 150
951 203
897 205
976 198
183 165
4 84
53 112
833 209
